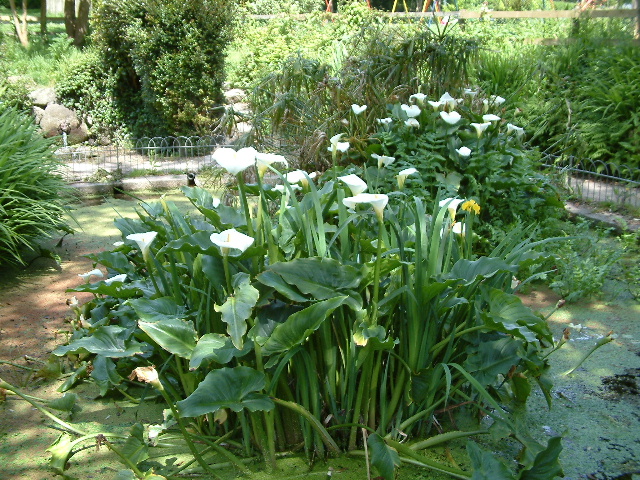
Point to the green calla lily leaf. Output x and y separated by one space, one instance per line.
198 242
300 325
135 448
174 335
238 308
104 373
217 348
66 403
111 341
383 457
546 465
233 388
485 465
492 358
116 261
470 270
60 453
163 308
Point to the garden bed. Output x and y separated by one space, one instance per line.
596 409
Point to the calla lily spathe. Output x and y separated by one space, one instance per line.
384 121
412 123
93 273
143 240
231 239
337 145
403 174
235 162
513 128
383 160
116 278
481 127
449 100
412 111
264 160
435 105
490 117
377 200
355 183
451 204
418 98
299 176
358 109
451 117
463 151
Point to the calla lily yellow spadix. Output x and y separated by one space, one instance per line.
231 239
235 162
355 183
377 200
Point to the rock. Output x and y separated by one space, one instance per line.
41 97
37 113
58 118
235 95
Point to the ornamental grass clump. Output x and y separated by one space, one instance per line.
319 318
32 205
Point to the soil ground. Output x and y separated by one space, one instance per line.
596 409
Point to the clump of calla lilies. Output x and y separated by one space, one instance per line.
331 313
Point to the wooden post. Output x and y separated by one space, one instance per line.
43 17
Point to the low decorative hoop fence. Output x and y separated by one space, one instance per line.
597 181
144 157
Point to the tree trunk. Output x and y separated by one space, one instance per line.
43 17
21 28
70 17
82 23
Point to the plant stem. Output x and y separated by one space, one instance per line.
376 275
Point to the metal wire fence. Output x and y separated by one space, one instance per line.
145 157
597 181
588 180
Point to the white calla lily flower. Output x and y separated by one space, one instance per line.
470 92
490 117
412 111
451 204
418 98
384 121
383 160
496 100
513 128
144 241
412 123
448 100
463 151
358 109
93 273
116 278
459 229
265 160
355 183
403 174
231 239
235 162
299 176
451 117
480 127
283 189
435 105
377 200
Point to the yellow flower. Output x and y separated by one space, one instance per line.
471 205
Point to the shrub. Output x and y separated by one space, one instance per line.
158 66
31 205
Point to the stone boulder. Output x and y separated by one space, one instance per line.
58 119
41 97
